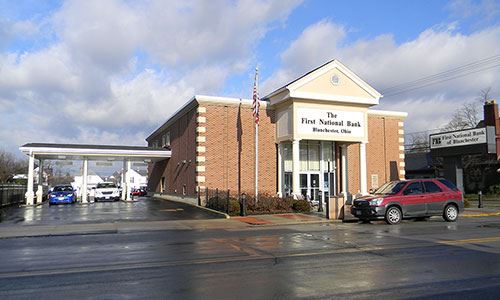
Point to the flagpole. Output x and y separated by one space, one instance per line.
257 143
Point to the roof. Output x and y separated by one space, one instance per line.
87 146
94 152
334 63
192 103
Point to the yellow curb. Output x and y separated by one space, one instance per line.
481 215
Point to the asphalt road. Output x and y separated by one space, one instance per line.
144 209
410 260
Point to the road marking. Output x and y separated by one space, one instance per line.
471 241
248 254
172 209
481 215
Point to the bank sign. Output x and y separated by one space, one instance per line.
317 121
458 138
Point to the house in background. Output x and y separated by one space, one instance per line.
92 180
22 177
138 178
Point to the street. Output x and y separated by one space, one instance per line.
334 260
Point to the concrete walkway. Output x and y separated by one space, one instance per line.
234 223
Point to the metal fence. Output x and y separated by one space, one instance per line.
11 194
216 199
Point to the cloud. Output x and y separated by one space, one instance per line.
383 63
233 29
110 72
484 11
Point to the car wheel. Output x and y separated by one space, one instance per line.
393 215
450 213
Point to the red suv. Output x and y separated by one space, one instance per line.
418 198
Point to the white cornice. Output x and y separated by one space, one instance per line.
388 113
334 98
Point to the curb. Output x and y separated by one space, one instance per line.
201 207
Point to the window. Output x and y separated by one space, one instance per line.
313 155
105 185
414 188
287 157
431 187
288 184
448 184
390 188
303 156
309 155
165 140
162 185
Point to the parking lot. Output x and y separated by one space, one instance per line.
143 209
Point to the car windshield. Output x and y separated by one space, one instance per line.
390 188
104 185
63 189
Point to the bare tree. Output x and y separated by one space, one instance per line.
417 142
468 114
484 95
10 165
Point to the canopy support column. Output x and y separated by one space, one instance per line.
123 182
127 177
30 195
39 191
84 180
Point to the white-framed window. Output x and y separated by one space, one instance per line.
165 139
309 155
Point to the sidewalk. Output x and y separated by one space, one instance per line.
234 223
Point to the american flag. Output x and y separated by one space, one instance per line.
256 103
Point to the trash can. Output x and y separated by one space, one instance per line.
335 208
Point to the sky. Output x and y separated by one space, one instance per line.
111 72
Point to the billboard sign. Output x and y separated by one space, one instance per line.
458 138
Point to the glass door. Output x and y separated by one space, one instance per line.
309 186
303 185
314 186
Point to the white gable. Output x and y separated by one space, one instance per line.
331 82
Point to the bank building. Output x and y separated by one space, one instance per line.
319 136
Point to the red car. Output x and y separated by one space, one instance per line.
139 192
418 198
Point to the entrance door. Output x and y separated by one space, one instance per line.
309 186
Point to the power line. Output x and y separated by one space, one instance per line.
488 60
439 81
460 71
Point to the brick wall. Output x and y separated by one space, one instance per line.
230 148
179 171
384 153
213 146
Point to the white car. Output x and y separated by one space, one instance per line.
107 191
